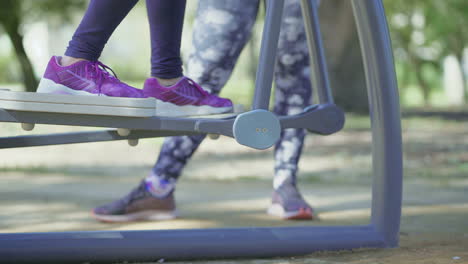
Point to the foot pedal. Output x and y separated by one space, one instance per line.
259 129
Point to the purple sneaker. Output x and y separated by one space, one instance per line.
185 98
287 203
84 78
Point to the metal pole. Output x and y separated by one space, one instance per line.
82 137
318 64
385 118
172 245
267 60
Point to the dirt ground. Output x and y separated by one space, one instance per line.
54 188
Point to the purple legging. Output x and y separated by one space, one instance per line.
103 16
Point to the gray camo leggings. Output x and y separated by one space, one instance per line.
222 28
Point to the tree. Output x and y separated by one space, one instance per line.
11 20
450 34
344 57
424 32
407 22
15 14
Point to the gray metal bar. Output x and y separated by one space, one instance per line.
210 125
80 137
318 65
171 245
267 60
319 119
385 118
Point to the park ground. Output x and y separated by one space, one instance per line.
227 185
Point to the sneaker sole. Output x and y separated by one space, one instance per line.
170 109
302 214
49 86
150 215
162 108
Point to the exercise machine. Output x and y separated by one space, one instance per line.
257 128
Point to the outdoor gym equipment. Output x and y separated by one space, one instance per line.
258 128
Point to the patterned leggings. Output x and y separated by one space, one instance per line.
222 28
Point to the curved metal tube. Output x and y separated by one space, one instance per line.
385 118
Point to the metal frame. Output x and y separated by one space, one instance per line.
312 119
115 246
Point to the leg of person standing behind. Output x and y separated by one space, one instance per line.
293 93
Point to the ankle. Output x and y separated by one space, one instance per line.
284 180
168 82
159 187
67 61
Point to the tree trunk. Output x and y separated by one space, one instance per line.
425 89
422 83
29 78
459 56
344 57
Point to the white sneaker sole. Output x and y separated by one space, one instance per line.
162 108
51 100
149 215
49 86
170 109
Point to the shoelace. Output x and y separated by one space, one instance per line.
99 72
198 87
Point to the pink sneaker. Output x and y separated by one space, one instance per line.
185 98
84 78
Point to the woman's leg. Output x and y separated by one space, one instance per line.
79 71
185 96
292 95
99 22
222 28
166 20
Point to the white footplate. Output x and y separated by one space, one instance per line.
77 104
